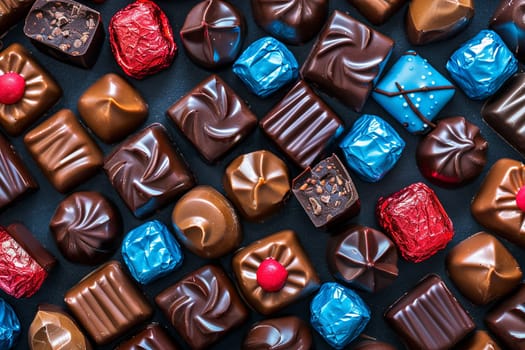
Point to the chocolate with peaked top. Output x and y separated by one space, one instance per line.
302 125
67 30
11 12
507 320
147 171
429 316
284 333
347 59
480 340
213 117
203 306
153 337
452 154
377 11
508 21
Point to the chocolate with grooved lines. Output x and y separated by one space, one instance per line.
377 11
153 337
280 334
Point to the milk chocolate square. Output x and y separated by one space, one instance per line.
377 11
507 320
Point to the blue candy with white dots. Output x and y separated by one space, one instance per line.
413 92
9 326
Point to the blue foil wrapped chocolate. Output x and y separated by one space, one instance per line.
150 251
266 66
482 65
338 314
372 147
413 92
9 326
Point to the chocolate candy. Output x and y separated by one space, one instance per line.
413 92
295 23
372 147
483 269
213 117
107 303
141 39
480 340
500 201
347 59
53 329
147 171
64 151
416 221
112 108
362 257
266 66
206 223
481 65
66 30
373 345
327 193
452 154
203 306
11 12
257 183
429 316
377 11
150 251
299 280
41 91
338 314
302 125
428 21
279 333
153 337
9 326
508 21
212 33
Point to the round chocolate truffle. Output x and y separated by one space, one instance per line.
452 154
279 334
86 227
373 345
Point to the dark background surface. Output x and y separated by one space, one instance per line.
163 89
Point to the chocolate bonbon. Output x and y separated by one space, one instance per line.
508 21
10 327
153 337
377 11
480 340
11 12
280 334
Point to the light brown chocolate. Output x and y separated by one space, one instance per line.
377 11
480 340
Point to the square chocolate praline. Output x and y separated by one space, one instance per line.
347 59
302 125
213 118
377 11
147 171
507 320
64 151
429 316
203 306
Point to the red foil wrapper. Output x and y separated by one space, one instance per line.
416 220
141 39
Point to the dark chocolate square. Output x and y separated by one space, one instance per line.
377 11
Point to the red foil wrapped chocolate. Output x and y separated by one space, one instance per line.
141 39
416 221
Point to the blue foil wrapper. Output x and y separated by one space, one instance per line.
372 147
9 326
150 251
266 66
338 314
482 65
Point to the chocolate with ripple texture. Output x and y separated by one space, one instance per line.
153 337
507 320
509 22
377 11
284 333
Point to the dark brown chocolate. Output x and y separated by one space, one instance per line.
508 21
507 320
11 12
31 245
377 11
480 340
153 337
284 333
372 345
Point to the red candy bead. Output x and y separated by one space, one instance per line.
12 88
520 199
271 275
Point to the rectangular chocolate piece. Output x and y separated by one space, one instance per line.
31 245
107 303
153 337
377 11
12 11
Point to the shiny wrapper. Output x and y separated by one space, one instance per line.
338 314
141 39
482 65
372 147
266 66
150 251
9 326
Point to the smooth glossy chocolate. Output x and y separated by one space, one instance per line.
11 12
347 59
147 171
509 22
213 117
153 337
372 345
53 329
377 11
64 151
203 306
87 228
257 183
107 303
429 316
67 30
507 320
362 257
285 248
31 245
112 108
302 125
480 340
453 154
284 333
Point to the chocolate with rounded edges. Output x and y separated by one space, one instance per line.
153 337
452 154
508 20
480 340
284 333
372 345
377 11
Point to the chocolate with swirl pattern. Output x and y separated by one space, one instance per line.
284 333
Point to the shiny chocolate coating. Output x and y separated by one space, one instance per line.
372 345
363 257
509 22
480 340
11 12
112 108
212 33
284 333
153 337
25 238
206 223
377 11
53 329
87 228
452 154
